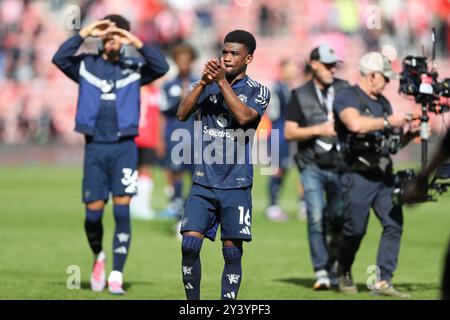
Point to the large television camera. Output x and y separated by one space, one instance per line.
382 142
417 79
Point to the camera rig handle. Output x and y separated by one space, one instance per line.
424 125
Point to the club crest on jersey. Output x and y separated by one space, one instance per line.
224 120
213 98
243 98
175 91
107 86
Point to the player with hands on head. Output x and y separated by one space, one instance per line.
108 112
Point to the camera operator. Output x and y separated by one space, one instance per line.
367 182
310 122
416 193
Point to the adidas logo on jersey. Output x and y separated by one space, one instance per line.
230 295
246 230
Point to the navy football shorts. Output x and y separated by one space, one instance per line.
109 167
207 208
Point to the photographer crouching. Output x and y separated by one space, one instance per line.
369 132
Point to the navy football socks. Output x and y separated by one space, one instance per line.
191 266
177 189
274 189
122 236
94 229
232 272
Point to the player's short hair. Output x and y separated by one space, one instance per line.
242 37
183 49
119 20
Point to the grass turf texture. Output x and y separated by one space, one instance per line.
41 235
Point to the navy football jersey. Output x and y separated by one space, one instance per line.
225 158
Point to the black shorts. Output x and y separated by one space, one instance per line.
147 156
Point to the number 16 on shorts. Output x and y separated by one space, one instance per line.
245 218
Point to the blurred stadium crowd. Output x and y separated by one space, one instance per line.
37 103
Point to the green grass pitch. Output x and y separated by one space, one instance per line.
41 235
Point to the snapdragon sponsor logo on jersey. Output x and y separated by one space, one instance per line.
226 146
224 120
229 133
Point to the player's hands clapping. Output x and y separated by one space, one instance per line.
206 76
215 70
